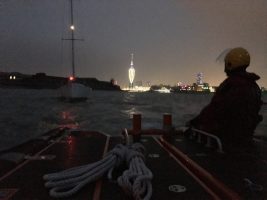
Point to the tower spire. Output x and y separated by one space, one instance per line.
131 72
132 59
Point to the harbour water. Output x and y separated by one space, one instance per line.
26 113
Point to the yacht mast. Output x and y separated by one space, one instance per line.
72 28
72 39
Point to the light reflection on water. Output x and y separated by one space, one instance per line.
28 113
68 120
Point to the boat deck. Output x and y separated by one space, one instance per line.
244 171
174 163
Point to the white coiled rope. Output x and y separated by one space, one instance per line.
136 181
68 182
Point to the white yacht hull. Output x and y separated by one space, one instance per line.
74 91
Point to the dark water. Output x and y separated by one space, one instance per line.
28 113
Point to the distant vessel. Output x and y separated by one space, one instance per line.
73 90
163 90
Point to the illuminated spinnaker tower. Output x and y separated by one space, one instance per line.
131 72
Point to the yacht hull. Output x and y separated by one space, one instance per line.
74 92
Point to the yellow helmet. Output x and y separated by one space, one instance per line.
237 57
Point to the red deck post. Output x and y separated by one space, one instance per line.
137 123
167 120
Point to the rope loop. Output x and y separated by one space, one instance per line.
135 181
119 151
131 154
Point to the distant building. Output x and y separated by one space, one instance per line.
200 78
139 83
200 86
131 72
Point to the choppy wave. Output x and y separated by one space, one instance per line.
28 113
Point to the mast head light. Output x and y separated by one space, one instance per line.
72 27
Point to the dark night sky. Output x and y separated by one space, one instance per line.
172 40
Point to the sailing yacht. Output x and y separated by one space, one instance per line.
73 90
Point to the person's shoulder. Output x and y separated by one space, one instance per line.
233 81
243 79
251 76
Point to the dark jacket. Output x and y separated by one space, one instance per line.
233 112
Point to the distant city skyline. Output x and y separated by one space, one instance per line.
171 40
199 79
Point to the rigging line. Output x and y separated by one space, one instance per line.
62 34
72 39
80 55
61 53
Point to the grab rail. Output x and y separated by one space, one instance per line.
209 136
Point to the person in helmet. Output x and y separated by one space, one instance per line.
233 113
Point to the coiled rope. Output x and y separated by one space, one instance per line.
136 181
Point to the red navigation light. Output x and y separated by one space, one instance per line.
71 78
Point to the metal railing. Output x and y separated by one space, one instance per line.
198 133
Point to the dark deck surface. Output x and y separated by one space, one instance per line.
69 152
166 171
16 154
24 181
231 168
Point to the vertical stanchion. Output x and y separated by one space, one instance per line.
137 122
167 126
137 127
167 120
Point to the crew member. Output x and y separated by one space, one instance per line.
233 113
